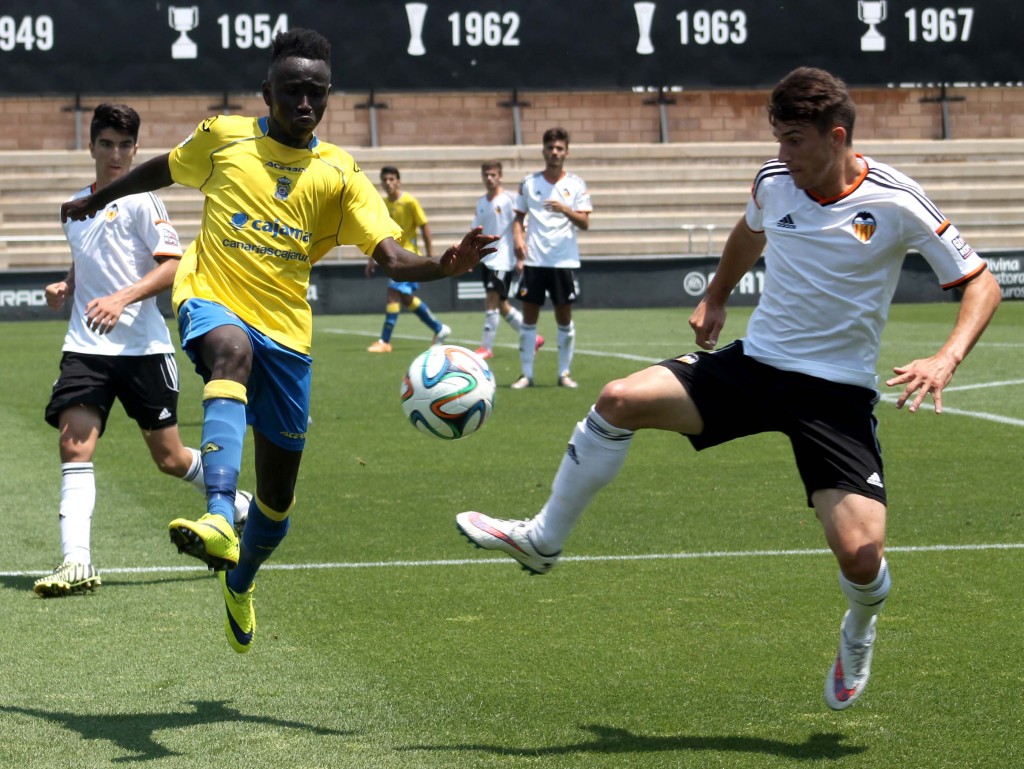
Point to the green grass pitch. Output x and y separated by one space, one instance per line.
690 625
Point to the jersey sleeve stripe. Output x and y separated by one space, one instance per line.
965 278
883 179
768 170
159 209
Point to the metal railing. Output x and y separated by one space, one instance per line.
689 229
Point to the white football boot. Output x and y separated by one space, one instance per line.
849 674
508 536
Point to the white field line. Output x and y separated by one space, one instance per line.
485 561
887 397
474 343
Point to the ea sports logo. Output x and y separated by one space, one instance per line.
695 284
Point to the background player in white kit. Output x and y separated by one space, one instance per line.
495 212
834 227
552 204
117 345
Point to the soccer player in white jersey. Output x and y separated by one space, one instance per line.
834 228
495 212
552 205
117 345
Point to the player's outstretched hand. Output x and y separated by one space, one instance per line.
929 375
78 210
707 321
464 256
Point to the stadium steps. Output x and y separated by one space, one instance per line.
653 199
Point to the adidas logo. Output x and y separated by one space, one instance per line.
786 223
874 480
570 451
164 414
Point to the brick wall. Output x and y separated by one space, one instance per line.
477 118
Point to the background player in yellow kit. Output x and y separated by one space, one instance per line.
408 214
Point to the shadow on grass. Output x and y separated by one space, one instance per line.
113 581
609 739
19 581
134 732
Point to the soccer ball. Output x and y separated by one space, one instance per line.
448 391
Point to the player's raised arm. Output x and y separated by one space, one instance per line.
401 264
741 252
981 297
146 177
464 256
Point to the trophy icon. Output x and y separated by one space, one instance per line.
871 12
416 13
644 17
183 19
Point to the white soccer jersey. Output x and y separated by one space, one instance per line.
551 236
496 217
831 268
112 250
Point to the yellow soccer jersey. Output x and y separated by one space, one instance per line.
409 215
271 212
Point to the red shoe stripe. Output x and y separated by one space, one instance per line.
496 533
839 685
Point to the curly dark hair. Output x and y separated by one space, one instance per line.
302 43
120 117
815 97
556 134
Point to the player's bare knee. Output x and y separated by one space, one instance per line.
614 403
860 564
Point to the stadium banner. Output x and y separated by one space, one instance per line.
667 281
112 46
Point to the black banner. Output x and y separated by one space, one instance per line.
110 46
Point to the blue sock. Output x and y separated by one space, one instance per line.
223 433
260 538
423 313
390 319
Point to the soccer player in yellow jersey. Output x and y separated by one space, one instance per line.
408 214
277 200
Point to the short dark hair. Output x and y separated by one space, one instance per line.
491 164
810 96
390 170
301 43
120 117
556 134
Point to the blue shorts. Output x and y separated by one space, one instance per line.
401 287
279 382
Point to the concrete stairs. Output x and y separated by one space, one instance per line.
660 199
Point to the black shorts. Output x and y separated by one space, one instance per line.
498 281
831 426
558 282
146 385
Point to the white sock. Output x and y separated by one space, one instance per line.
566 347
594 456
77 501
514 318
527 353
194 475
866 601
490 329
